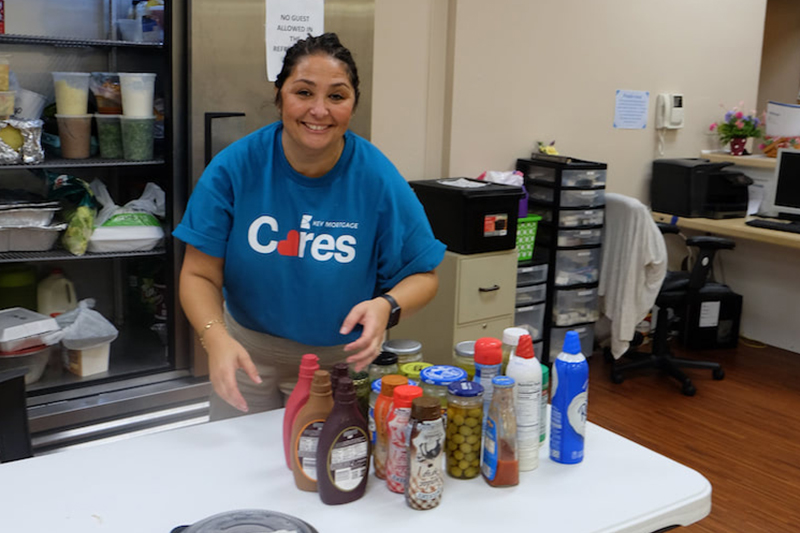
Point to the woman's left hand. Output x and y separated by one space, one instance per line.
373 315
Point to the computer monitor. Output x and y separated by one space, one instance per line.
787 184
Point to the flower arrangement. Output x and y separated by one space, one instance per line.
737 125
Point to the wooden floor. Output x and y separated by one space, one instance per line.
741 433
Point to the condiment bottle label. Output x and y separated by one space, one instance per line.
490 449
426 475
306 448
348 459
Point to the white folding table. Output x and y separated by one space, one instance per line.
153 483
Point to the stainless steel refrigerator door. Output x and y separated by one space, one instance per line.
227 67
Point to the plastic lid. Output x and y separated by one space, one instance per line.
572 343
345 391
488 351
442 375
388 383
376 385
340 370
405 394
511 335
402 346
502 382
465 389
321 383
251 520
525 347
466 349
308 365
426 408
412 370
385 359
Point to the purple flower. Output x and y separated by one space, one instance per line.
728 116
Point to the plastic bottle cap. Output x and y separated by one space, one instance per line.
426 408
340 369
442 375
413 369
321 383
402 346
572 342
503 382
466 349
385 359
488 351
308 365
525 347
388 383
466 389
405 394
345 391
511 335
376 385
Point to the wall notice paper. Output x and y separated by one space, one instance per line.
630 110
783 120
709 314
289 21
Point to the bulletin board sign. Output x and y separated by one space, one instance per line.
289 21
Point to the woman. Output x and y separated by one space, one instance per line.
301 237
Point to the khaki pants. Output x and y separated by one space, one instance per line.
277 360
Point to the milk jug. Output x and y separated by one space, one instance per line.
55 294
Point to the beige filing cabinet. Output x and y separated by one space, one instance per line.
475 299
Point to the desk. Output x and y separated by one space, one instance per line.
156 482
733 227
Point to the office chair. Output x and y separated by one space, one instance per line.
15 437
677 292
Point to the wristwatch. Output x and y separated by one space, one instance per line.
394 316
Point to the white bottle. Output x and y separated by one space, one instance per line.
55 294
527 373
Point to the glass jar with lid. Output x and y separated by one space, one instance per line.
464 357
361 384
412 370
407 350
464 429
383 365
435 380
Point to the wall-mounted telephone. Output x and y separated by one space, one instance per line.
669 111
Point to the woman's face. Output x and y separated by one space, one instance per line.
317 103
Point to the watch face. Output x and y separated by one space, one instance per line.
394 315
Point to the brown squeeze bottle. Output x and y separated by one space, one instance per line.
306 429
339 370
343 449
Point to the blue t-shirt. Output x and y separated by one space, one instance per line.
301 252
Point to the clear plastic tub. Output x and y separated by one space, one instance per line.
75 133
573 218
569 198
583 178
72 92
577 266
137 137
137 90
530 294
531 275
34 359
531 317
579 237
585 334
109 136
575 306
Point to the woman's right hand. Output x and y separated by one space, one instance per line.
225 356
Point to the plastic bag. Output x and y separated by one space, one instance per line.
83 327
79 208
132 227
511 177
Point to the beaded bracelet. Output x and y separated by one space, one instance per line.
207 327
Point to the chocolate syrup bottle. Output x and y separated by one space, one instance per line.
343 449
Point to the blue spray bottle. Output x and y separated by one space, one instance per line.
569 393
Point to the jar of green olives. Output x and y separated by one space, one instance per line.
464 429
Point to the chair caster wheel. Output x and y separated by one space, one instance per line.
617 378
718 374
688 389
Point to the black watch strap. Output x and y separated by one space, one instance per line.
394 315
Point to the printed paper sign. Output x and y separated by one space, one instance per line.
630 111
289 21
709 314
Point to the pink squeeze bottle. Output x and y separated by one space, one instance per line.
296 401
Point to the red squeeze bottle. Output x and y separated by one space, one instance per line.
296 401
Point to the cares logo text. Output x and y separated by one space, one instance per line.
322 247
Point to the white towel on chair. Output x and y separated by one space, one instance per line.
633 268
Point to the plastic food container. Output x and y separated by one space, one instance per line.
72 92
22 328
29 238
109 136
75 132
137 137
137 90
125 238
88 361
35 359
30 105
130 30
106 89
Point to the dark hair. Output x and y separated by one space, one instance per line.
325 44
